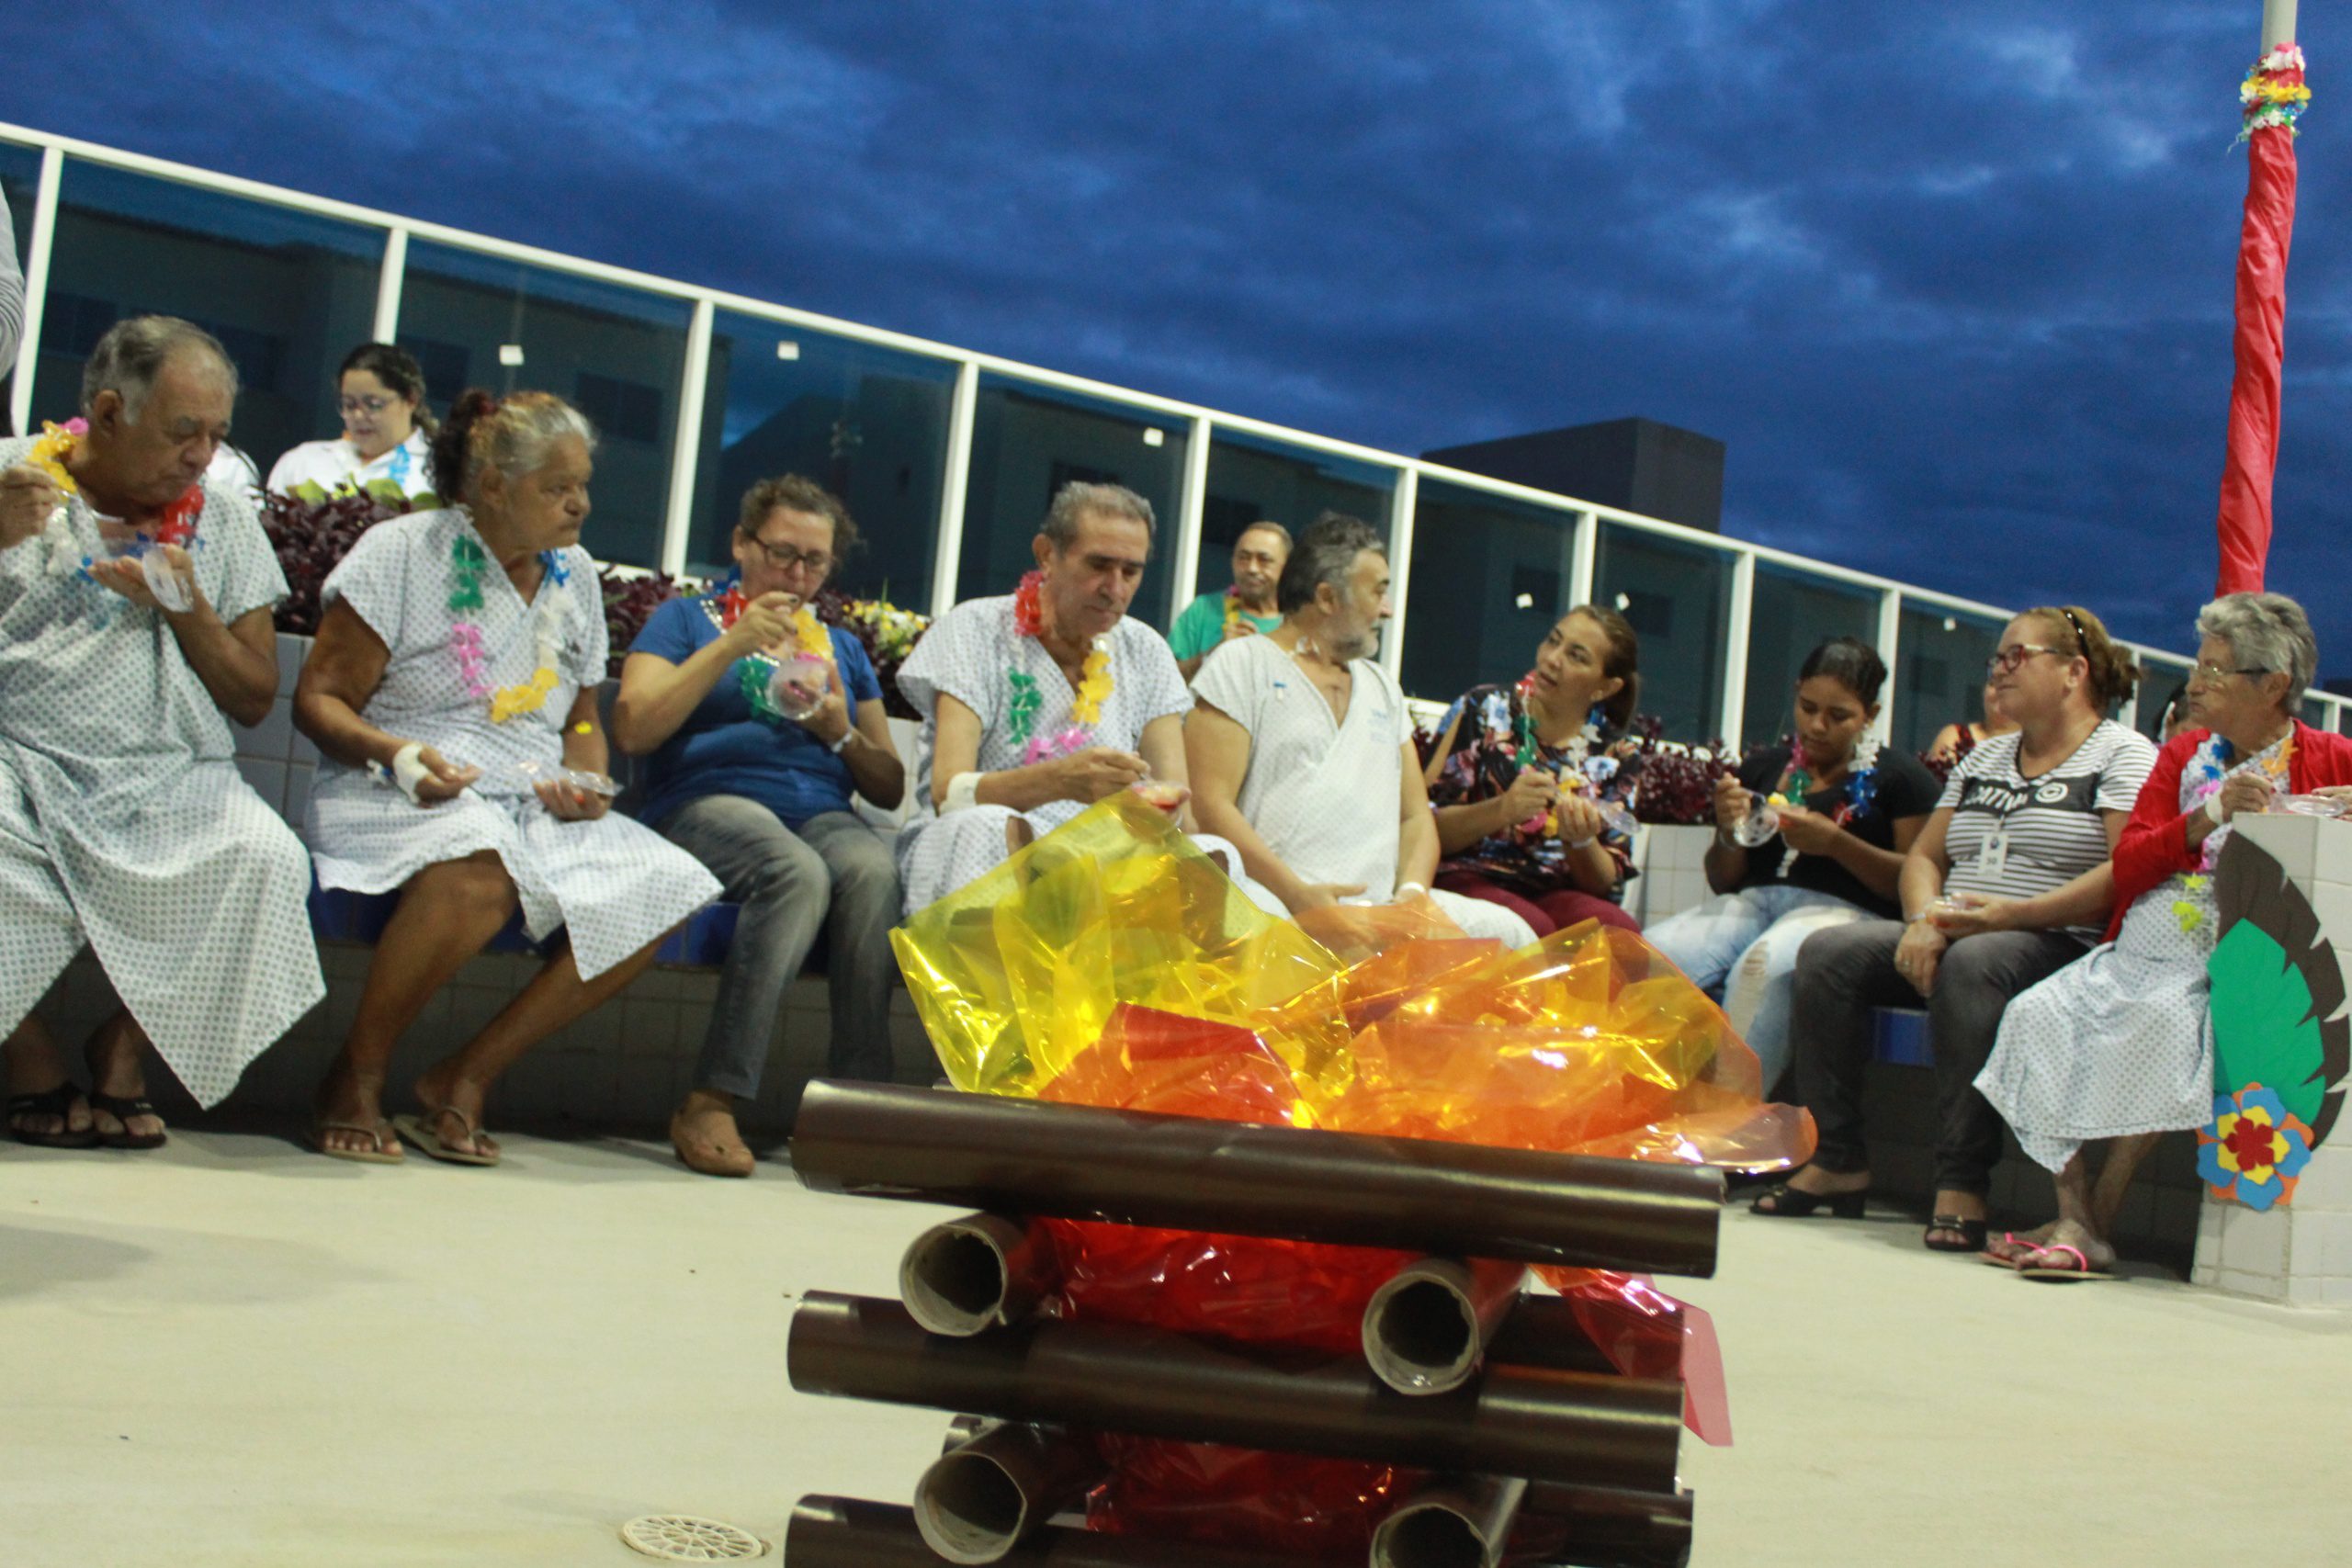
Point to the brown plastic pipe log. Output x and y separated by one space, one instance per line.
970 1275
1191 1173
1425 1328
842 1532
1454 1525
975 1503
1579 1426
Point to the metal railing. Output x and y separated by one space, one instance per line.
1583 518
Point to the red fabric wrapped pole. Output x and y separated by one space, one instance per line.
2253 454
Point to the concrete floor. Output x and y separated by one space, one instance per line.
235 1352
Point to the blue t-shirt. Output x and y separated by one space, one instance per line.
723 748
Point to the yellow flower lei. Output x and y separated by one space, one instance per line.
1094 685
48 455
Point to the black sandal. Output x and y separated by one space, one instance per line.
57 1102
122 1110
1795 1203
1971 1234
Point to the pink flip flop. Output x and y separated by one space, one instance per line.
2081 1271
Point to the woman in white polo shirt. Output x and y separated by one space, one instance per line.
2027 825
386 433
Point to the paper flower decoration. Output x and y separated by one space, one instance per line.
2254 1150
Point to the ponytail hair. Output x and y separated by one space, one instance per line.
512 434
2079 634
1851 662
1622 661
397 368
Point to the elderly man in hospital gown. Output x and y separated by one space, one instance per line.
135 605
1301 747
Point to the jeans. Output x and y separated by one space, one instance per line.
1842 973
836 873
1741 949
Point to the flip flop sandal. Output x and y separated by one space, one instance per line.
2079 1273
57 1102
424 1131
1971 1234
375 1154
122 1110
2009 1238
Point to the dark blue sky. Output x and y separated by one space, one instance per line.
1955 291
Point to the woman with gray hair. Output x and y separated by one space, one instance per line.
453 689
2120 1044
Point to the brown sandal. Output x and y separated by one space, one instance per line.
425 1132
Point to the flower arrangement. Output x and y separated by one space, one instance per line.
312 536
888 633
1676 783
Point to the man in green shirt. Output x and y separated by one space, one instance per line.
1215 618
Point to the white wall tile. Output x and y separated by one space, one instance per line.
2256 1243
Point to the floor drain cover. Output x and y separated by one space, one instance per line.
680 1538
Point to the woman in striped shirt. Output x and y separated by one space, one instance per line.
2010 879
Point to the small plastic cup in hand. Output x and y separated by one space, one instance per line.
797 687
1168 798
171 586
2309 804
1943 907
1758 826
528 776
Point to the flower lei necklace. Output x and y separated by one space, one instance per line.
756 670
175 526
1094 686
2210 765
467 562
1861 789
1590 772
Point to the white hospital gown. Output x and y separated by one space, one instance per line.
1322 793
124 823
613 883
969 653
2121 1041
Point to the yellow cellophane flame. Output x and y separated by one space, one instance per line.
49 456
810 633
1586 1042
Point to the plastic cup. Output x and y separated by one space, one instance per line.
1758 826
1167 797
2308 805
797 687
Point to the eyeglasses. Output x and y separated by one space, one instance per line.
784 557
365 405
2017 653
2214 674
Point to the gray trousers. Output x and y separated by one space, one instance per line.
1845 971
835 872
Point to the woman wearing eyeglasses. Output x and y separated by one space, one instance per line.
386 446
2120 1046
2023 834
759 723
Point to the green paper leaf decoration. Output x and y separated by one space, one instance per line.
2276 992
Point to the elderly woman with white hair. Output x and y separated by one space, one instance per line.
2120 1044
453 690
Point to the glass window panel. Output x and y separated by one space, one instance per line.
2159 679
1677 596
1029 441
1790 613
1253 479
20 184
286 292
1490 577
870 424
1939 677
618 354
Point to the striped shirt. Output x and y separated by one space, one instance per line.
2012 837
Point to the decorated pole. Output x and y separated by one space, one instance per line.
2273 96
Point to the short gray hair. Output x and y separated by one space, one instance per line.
1326 552
2267 632
1078 498
134 352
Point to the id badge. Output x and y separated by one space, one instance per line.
1996 858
